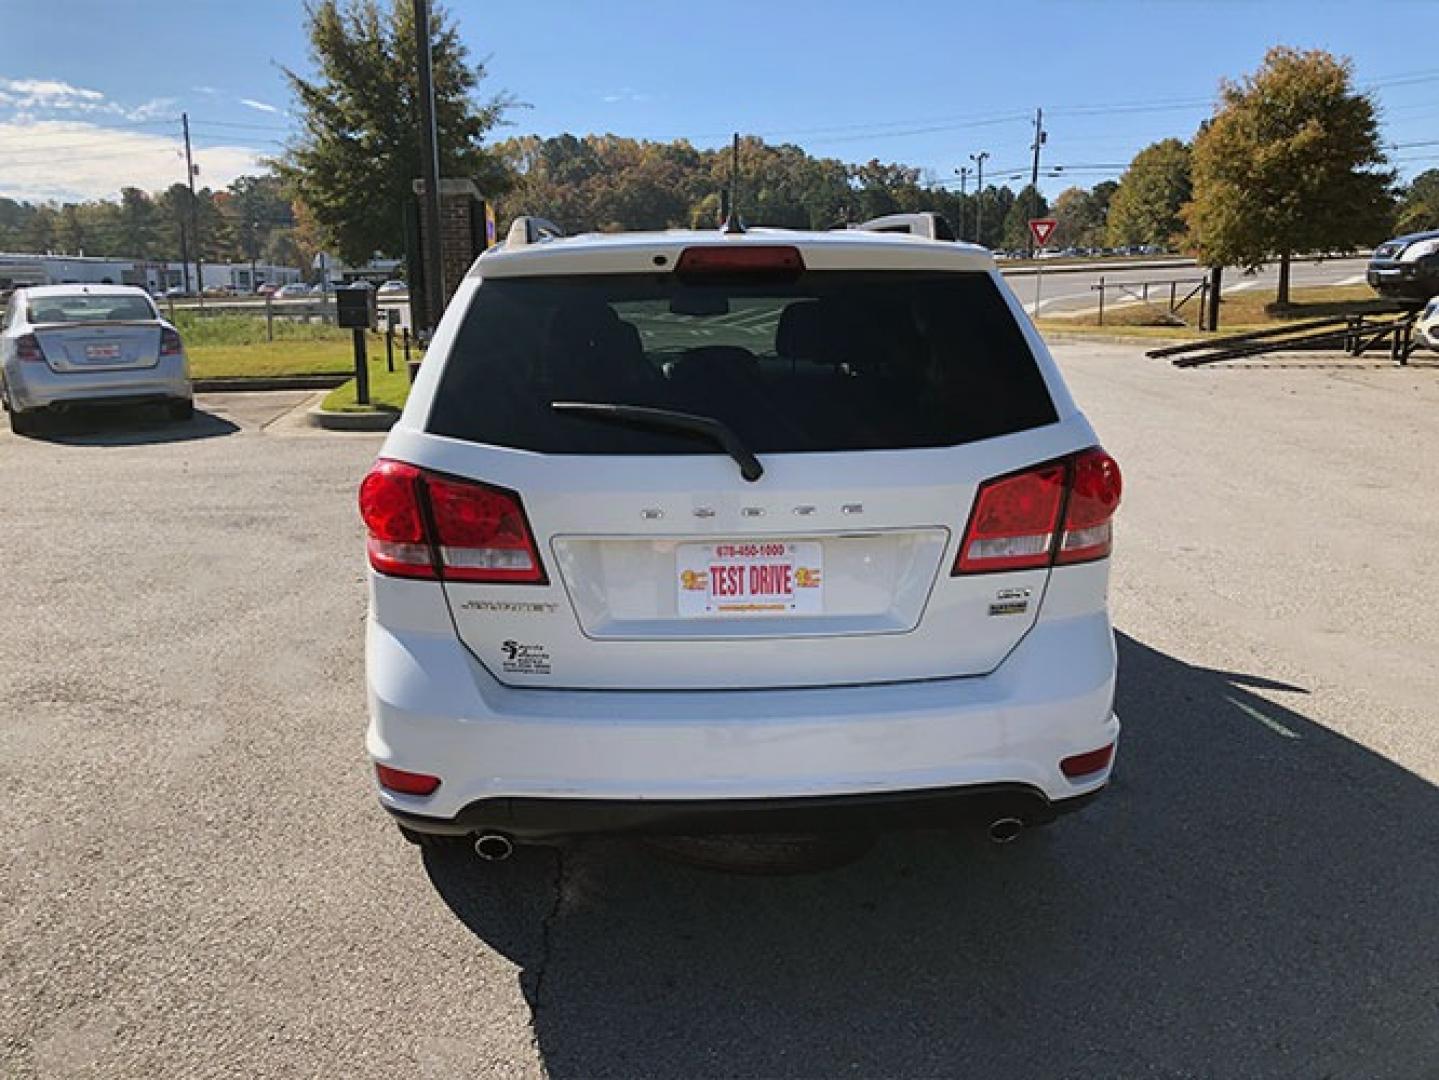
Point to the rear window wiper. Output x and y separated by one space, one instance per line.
705 426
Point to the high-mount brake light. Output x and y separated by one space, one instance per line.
1016 518
425 526
725 259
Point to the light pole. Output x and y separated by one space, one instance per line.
979 160
963 171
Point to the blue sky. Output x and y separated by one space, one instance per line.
90 89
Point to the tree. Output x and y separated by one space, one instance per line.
1078 217
1145 207
360 151
1291 162
1419 208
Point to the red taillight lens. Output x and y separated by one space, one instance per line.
1093 497
390 507
406 783
740 259
482 533
1015 518
170 344
27 349
1084 764
1012 526
479 532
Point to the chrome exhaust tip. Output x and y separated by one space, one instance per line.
493 847
1005 830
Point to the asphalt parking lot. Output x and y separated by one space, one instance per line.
194 879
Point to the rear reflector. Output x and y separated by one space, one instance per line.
406 783
426 526
1015 524
170 344
27 349
740 259
1085 764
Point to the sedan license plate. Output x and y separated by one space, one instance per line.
102 352
745 578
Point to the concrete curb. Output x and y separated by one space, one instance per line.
240 384
352 421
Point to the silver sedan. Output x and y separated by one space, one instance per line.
63 345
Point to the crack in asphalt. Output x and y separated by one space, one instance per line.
547 926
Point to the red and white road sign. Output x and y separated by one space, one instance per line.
1041 228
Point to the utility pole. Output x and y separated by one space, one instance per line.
1040 135
194 211
254 251
978 160
963 171
429 171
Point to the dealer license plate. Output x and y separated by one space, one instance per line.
750 578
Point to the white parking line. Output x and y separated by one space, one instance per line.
1254 714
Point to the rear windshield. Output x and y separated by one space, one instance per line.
825 361
90 307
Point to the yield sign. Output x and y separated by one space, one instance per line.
1041 229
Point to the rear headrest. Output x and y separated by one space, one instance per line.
799 335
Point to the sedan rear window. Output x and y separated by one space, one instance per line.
823 361
90 307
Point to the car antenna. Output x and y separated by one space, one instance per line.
732 224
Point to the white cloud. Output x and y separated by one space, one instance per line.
262 106
70 160
204 90
154 108
625 94
52 94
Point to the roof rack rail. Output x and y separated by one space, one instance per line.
926 223
527 230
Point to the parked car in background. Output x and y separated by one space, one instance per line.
392 288
178 292
1427 328
1407 267
267 289
292 291
64 345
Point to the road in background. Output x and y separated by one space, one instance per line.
1070 289
195 879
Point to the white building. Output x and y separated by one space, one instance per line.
30 269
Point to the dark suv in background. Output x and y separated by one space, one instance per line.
1407 267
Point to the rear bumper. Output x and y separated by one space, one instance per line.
544 819
537 761
36 386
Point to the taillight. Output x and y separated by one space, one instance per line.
406 783
482 533
1015 524
27 349
170 344
1012 526
427 526
1094 492
390 507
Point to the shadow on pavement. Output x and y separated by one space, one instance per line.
130 426
1253 897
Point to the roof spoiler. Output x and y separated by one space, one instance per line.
527 230
926 223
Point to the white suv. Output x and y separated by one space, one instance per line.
691 532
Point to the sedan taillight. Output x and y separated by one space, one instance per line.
1016 521
170 344
426 526
27 349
